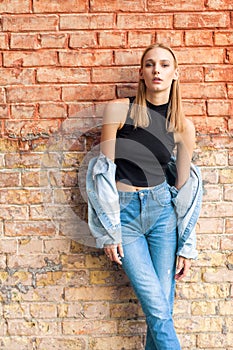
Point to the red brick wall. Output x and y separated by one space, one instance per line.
60 61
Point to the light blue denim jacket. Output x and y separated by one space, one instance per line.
104 208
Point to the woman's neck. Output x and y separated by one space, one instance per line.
157 99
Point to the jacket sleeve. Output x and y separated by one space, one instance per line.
103 202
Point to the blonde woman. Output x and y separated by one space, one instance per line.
140 135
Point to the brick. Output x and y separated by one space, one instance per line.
219 107
202 20
16 310
34 327
26 160
212 193
172 38
228 193
30 246
217 209
126 90
96 310
144 21
31 130
9 179
219 4
29 59
31 179
61 343
115 342
67 310
56 246
218 275
115 74
96 293
86 58
202 56
49 110
33 94
87 21
203 90
14 6
88 92
138 38
194 107
215 340
63 75
210 225
3 262
223 38
23 111
4 112
112 39
8 246
24 41
51 293
199 324
210 241
226 242
20 196
229 226
202 38
210 175
113 6
29 23
53 40
43 310
83 39
226 176
10 76
77 278
42 6
211 259
34 261
96 327
168 5
191 74
220 73
3 41
128 57
29 229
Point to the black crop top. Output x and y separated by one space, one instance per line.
142 154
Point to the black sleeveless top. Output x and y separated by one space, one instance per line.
142 154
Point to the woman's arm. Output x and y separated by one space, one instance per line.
114 118
185 146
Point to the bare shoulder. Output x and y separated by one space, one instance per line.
188 135
115 111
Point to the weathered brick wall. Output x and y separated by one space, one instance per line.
60 60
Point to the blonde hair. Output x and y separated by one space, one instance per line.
175 115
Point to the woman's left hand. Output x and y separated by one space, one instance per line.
183 266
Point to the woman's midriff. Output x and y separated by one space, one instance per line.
130 188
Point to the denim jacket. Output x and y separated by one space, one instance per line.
104 208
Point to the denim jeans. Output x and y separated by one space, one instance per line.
150 242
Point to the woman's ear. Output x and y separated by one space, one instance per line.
141 74
176 74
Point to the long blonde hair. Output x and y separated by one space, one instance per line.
175 115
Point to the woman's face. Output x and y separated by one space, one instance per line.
158 70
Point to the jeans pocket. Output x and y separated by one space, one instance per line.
163 197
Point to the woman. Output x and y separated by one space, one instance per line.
140 135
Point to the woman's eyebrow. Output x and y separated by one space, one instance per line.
163 60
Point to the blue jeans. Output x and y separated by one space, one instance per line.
150 241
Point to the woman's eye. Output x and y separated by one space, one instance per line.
149 65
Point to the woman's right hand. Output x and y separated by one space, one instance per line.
114 252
